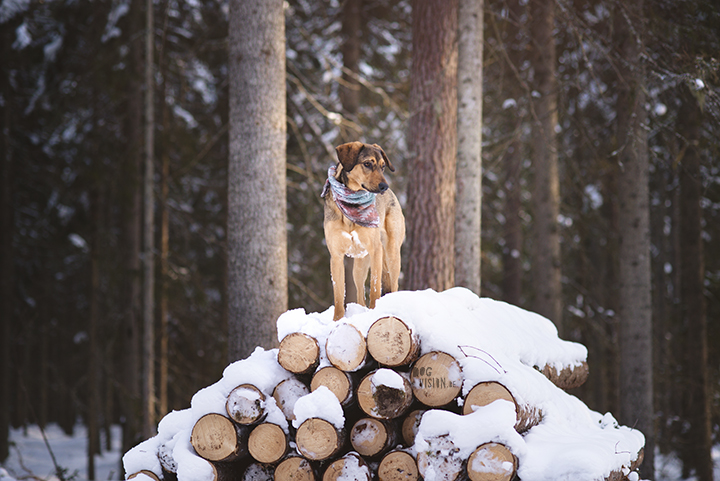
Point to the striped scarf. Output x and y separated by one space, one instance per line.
356 205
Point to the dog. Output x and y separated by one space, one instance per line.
363 220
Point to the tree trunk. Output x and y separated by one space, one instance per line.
94 363
433 137
692 289
257 243
636 384
546 184
469 139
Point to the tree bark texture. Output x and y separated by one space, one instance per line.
433 143
634 289
546 184
257 244
692 289
469 139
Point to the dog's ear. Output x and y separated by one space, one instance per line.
387 161
348 153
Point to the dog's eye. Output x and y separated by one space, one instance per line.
368 165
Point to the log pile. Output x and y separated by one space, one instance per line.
384 386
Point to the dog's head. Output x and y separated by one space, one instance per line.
362 166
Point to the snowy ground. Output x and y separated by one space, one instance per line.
31 452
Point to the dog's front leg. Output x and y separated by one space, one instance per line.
376 275
337 275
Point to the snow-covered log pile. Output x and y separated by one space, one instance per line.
441 386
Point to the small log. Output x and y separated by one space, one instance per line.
440 462
318 440
392 343
144 475
350 467
295 468
384 394
373 437
339 382
568 377
485 393
216 438
246 405
398 466
410 426
346 348
436 379
299 353
492 462
286 393
258 472
268 443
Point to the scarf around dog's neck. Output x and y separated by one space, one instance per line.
356 205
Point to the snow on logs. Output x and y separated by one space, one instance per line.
426 394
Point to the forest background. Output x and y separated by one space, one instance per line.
72 95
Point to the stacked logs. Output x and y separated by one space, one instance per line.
384 386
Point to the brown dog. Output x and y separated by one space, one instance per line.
363 220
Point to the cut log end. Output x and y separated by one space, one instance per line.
346 347
246 404
371 437
384 394
441 461
287 393
350 467
337 381
144 475
258 472
491 462
568 377
398 466
410 426
436 379
268 443
299 353
485 393
216 438
294 468
318 440
392 343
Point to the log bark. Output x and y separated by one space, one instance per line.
436 379
398 466
618 475
372 438
246 405
144 475
440 460
299 353
350 467
383 401
392 343
492 462
410 426
268 443
346 348
339 382
318 440
295 468
167 462
568 377
485 393
286 393
216 438
258 472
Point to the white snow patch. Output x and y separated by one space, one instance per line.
321 403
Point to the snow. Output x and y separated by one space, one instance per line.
389 378
321 403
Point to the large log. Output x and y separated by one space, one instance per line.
268 443
246 405
295 468
491 462
385 394
485 393
568 377
392 343
318 440
350 467
346 348
299 353
339 382
372 437
436 379
286 393
410 426
440 462
216 438
398 466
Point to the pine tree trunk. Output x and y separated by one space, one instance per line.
433 137
164 251
546 183
692 289
257 244
469 139
93 366
636 384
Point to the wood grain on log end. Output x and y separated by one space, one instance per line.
216 438
392 343
294 468
383 400
318 440
268 443
346 348
485 393
436 379
299 353
350 467
410 426
398 466
491 462
337 381
246 404
286 393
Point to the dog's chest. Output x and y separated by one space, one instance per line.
354 246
